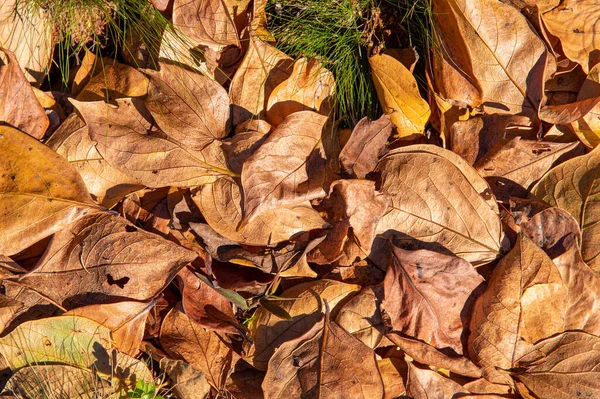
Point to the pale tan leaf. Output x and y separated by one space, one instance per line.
361 316
114 80
427 384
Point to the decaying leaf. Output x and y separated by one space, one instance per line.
572 186
125 135
304 303
399 95
439 202
427 295
361 316
324 362
102 258
40 193
114 81
19 106
427 384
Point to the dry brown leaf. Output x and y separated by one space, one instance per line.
399 95
305 307
40 193
572 186
221 206
126 320
246 384
366 145
524 302
353 207
361 316
288 168
207 23
114 81
102 258
126 135
107 185
439 202
190 108
513 166
204 350
573 22
429 296
19 106
392 373
239 147
325 362
28 34
262 69
563 367
8 308
493 46
427 384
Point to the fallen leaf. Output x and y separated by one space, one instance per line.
513 166
262 70
361 316
563 366
126 320
572 187
427 296
246 384
366 145
324 362
187 382
503 57
304 303
239 147
288 168
205 350
114 81
8 308
19 106
190 108
399 95
439 202
310 86
126 135
102 258
40 193
107 185
392 376
524 302
427 384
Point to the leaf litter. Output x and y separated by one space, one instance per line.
206 224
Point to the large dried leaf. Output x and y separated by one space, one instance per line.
399 95
40 193
288 168
126 136
304 303
512 166
573 23
205 350
525 301
494 45
427 296
262 69
427 384
106 184
310 86
28 34
574 186
221 205
102 258
361 316
19 106
325 362
439 202
190 108
114 81
562 367
366 145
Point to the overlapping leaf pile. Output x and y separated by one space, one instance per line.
208 215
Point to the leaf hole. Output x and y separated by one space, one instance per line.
120 282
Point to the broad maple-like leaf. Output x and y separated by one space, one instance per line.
126 135
40 192
574 187
427 295
103 257
439 202
325 362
